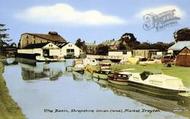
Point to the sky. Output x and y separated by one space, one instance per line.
97 20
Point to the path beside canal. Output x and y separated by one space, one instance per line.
8 107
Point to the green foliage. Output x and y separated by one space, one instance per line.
128 42
102 49
159 45
81 44
182 34
3 34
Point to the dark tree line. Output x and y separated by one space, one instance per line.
129 42
159 45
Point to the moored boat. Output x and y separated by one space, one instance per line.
158 84
120 78
102 74
105 64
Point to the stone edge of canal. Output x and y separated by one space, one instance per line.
8 107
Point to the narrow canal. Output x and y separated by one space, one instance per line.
47 91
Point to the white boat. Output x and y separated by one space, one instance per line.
157 83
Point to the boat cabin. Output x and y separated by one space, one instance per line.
121 75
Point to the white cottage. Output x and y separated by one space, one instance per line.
69 50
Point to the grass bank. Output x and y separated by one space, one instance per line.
177 71
8 108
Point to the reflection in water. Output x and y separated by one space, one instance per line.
174 106
39 71
79 76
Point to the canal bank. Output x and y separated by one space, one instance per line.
8 108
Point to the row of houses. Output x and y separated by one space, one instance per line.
46 47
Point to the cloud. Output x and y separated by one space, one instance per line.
66 14
178 12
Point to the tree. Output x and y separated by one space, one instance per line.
128 42
182 35
4 37
81 44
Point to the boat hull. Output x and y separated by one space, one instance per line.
157 91
118 81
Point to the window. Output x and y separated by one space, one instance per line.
70 50
50 45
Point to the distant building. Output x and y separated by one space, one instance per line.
145 53
69 50
183 58
49 51
36 38
115 53
178 46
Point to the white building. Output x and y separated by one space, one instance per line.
69 50
41 52
49 51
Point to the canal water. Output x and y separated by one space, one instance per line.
48 91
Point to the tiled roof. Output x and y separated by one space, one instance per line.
51 36
180 45
60 45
